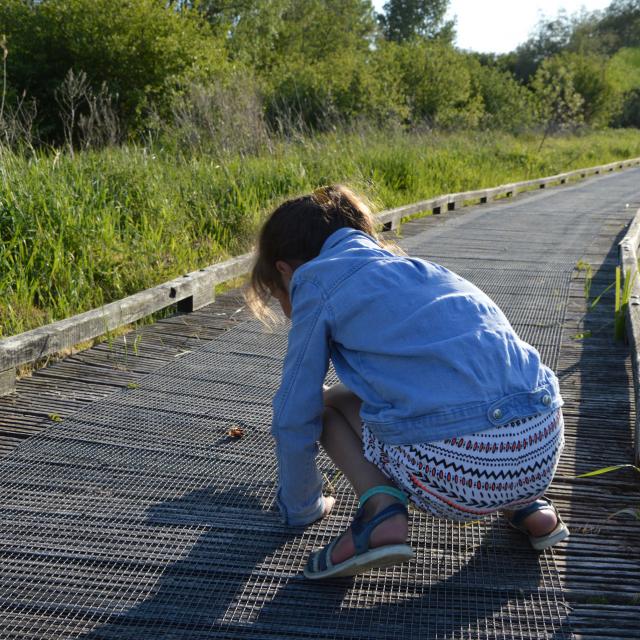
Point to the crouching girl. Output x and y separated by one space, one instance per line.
440 402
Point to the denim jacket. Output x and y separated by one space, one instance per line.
430 355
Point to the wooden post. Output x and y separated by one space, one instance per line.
7 381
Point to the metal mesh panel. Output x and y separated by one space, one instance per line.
140 517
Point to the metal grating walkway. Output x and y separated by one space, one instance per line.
139 517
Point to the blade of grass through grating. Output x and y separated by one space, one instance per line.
622 300
616 467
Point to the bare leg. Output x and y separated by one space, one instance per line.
342 440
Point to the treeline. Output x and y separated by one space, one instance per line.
227 74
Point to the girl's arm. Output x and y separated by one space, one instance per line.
298 407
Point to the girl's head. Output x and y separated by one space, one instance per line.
294 234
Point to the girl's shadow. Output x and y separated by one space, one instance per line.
236 579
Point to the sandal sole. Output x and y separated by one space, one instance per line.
560 533
373 559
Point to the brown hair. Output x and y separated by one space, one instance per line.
295 233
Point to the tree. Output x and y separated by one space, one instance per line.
507 104
620 25
438 85
141 50
592 81
559 103
624 71
550 37
587 33
319 70
251 28
406 19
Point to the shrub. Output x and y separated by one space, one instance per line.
438 85
139 49
507 104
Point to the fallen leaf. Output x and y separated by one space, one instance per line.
236 432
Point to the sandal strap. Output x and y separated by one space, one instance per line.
521 514
322 559
383 488
361 531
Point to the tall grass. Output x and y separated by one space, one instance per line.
77 233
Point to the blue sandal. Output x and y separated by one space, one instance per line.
561 532
320 565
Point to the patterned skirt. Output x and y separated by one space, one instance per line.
471 476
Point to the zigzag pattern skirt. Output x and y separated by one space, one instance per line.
474 475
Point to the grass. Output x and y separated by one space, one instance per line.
78 233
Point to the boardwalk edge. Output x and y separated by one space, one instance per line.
628 261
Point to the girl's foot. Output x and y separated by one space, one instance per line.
375 539
394 530
540 522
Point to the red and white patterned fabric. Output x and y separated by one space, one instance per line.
474 475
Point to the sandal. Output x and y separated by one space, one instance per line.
320 565
561 532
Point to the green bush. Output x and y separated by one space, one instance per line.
438 85
559 103
624 70
139 49
507 104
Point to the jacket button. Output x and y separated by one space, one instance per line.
546 400
497 414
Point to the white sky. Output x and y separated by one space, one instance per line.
501 25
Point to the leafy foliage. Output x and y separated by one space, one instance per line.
620 25
404 20
139 49
214 74
559 102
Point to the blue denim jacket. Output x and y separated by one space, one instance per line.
430 355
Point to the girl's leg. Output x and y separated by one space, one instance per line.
342 440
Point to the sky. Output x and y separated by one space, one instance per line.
500 26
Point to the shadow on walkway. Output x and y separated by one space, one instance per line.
215 593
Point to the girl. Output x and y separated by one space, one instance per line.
440 402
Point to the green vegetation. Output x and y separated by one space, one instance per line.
143 139
94 72
79 232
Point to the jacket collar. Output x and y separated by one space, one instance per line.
338 236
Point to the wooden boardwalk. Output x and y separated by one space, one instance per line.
471 582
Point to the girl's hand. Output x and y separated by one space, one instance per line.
329 501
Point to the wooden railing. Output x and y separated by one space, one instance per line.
197 289
628 259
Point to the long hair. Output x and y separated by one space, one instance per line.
295 233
